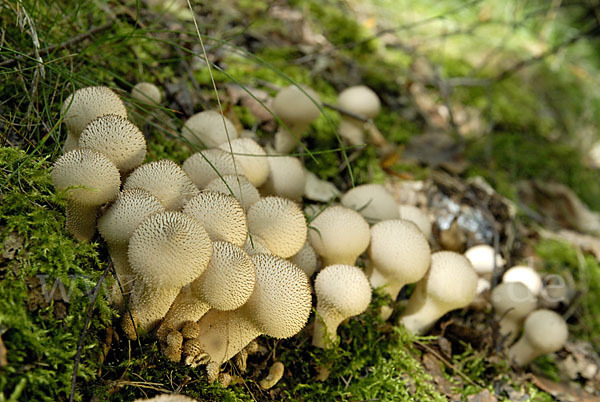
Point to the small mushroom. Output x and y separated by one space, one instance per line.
286 177
450 283
343 291
167 398
512 302
306 259
372 201
251 159
416 216
209 128
544 332
146 92
241 188
483 257
527 276
362 101
205 166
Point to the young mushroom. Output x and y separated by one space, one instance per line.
241 188
362 101
399 255
450 284
203 167
512 302
251 159
544 332
209 128
483 258
286 177
146 92
372 201
527 276
416 216
306 259
343 291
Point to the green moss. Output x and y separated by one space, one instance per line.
41 332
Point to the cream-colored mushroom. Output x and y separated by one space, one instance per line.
167 398
165 180
286 177
209 128
361 101
306 259
372 201
527 276
483 257
203 167
251 159
450 283
416 216
146 92
343 291
512 302
339 235
241 188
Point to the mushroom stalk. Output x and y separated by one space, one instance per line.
424 312
325 326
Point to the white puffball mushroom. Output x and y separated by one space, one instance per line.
146 92
372 201
209 128
450 284
362 101
286 177
483 257
416 216
306 259
205 166
544 332
343 291
512 302
526 275
237 186
251 159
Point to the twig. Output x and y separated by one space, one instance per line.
85 329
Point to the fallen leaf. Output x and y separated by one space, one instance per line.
483 396
562 392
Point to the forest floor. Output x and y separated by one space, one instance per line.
488 117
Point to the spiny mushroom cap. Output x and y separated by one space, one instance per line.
255 245
451 280
169 249
281 301
293 106
251 159
229 279
117 138
146 92
97 179
165 180
482 257
360 100
87 104
286 177
526 275
343 289
372 201
416 216
306 259
202 167
280 223
130 209
221 215
339 235
399 250
242 189
207 128
513 300
546 331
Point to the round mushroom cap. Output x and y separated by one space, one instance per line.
130 209
85 104
281 301
165 180
399 250
221 215
339 235
482 257
279 223
169 249
306 259
229 279
526 275
344 289
255 245
513 300
203 167
251 159
360 100
546 330
451 280
95 178
286 178
117 138
294 107
372 201
242 189
416 216
209 128
146 92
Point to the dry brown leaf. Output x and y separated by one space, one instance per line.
562 392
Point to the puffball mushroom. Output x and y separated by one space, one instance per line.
359 100
399 254
450 283
278 307
85 104
306 259
343 291
483 257
117 138
526 275
297 109
286 177
372 201
226 284
339 235
209 128
165 180
512 302
203 167
416 216
167 398
146 92
221 215
279 223
166 251
250 158
242 189
544 332
91 180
